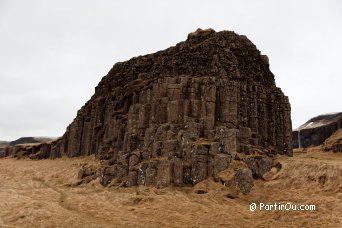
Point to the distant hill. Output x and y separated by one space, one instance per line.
3 144
26 140
316 130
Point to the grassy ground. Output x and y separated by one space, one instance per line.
38 194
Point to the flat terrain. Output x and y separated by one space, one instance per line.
38 194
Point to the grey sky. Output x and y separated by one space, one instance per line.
53 53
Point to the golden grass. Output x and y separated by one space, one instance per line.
38 194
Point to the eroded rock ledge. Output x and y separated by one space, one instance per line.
179 116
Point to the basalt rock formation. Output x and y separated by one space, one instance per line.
183 114
315 131
41 150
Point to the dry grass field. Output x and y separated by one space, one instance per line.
39 194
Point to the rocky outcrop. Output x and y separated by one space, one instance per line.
238 178
35 150
33 147
315 131
179 116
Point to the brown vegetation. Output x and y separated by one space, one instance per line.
40 194
334 142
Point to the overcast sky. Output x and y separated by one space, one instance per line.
54 52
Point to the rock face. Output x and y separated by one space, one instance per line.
315 131
34 150
33 147
181 115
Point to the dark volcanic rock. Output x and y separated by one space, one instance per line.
86 174
238 178
43 150
259 165
315 131
180 115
